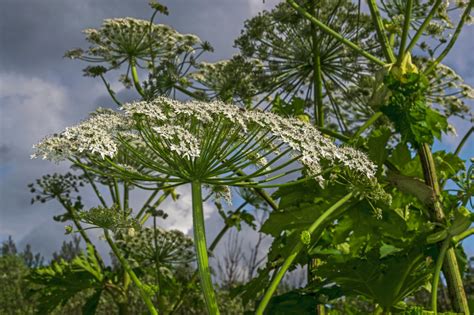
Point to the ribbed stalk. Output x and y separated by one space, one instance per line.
296 250
450 266
201 249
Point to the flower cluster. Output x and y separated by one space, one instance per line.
95 135
203 139
54 186
449 91
286 43
112 218
238 79
120 39
150 246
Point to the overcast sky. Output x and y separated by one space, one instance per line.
41 93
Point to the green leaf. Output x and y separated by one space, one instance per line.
387 249
92 302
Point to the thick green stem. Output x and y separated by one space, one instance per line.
450 267
423 26
454 38
213 245
201 249
406 30
296 250
141 288
436 274
335 34
379 27
136 80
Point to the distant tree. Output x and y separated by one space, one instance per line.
69 250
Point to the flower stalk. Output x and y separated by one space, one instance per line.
450 267
335 34
201 249
296 250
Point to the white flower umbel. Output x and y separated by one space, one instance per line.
94 135
120 39
205 141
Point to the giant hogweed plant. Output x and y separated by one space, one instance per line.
139 148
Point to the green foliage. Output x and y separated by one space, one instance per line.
58 283
408 110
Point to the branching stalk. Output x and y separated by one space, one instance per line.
335 34
423 26
317 76
296 250
454 38
379 27
450 267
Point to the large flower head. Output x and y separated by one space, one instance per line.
121 39
166 53
213 143
288 45
239 79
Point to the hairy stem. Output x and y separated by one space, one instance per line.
213 246
296 250
72 212
463 141
317 75
111 92
367 124
201 249
463 235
